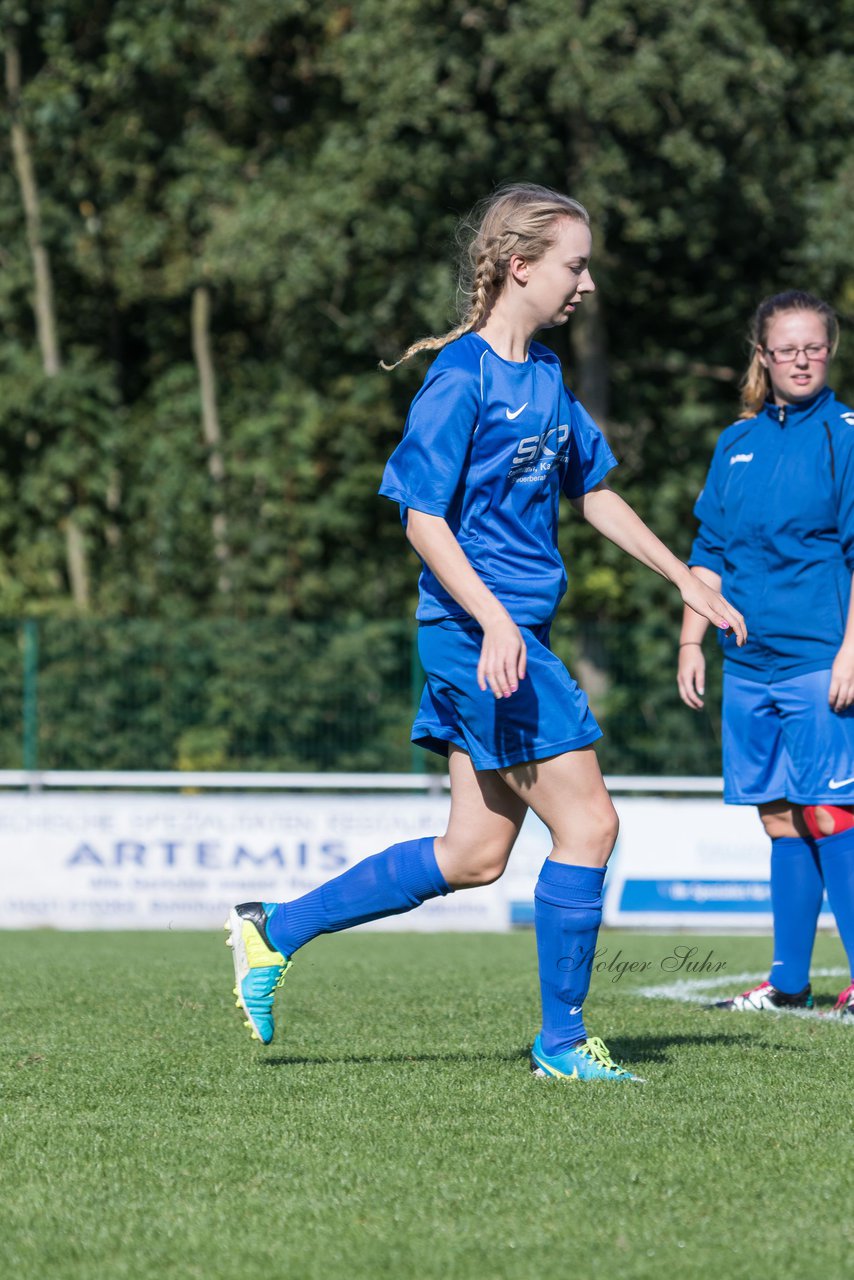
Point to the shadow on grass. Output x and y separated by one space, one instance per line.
633 1049
393 1059
824 1003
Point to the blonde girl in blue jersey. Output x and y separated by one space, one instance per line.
492 440
777 532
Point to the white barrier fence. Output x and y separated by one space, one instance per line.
128 854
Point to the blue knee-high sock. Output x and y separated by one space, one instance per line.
396 880
567 916
797 888
837 863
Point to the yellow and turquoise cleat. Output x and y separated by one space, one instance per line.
259 969
587 1061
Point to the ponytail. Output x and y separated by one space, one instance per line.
518 219
755 387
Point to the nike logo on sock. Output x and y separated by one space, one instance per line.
513 416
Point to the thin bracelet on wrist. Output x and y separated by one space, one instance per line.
685 643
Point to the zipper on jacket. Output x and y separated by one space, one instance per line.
781 415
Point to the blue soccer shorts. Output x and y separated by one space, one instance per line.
547 715
781 741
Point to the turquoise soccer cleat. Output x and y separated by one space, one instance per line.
588 1061
259 969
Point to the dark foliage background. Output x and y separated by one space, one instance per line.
243 208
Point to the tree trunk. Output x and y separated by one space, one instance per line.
589 342
201 316
78 568
588 336
43 301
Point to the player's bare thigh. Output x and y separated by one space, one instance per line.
567 792
485 819
782 819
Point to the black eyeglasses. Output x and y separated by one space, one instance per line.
814 351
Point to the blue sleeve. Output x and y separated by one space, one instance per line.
590 456
708 548
426 468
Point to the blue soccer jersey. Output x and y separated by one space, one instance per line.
777 523
490 445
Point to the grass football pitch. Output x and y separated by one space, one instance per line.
392 1128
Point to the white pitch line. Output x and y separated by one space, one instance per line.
701 990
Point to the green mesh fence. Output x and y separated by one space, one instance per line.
229 694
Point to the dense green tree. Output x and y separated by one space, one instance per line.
244 208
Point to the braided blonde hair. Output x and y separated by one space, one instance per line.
756 384
517 219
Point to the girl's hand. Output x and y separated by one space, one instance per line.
503 658
691 676
711 604
841 693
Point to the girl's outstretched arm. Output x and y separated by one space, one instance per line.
614 518
503 654
691 672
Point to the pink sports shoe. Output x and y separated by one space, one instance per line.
766 997
844 1007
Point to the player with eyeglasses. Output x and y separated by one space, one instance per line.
777 536
789 354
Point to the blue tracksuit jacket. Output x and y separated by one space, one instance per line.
777 523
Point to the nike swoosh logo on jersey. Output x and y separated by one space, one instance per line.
513 416
741 457
834 785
